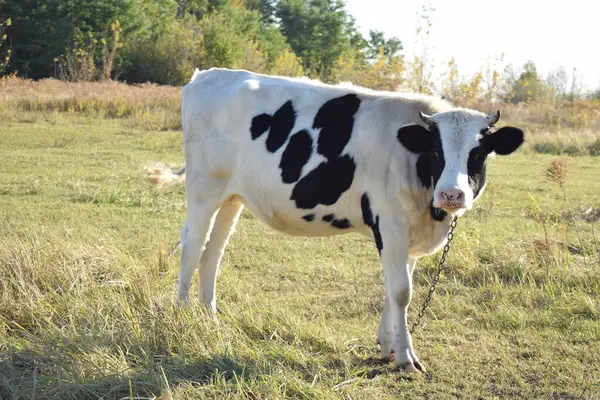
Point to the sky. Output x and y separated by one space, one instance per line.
550 33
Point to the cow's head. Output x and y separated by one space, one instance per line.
453 149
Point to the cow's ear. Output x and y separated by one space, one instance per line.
504 141
416 138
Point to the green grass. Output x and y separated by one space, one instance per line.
87 291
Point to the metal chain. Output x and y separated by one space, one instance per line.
436 278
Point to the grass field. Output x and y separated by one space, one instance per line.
87 290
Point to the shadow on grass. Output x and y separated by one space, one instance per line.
25 375
376 366
29 375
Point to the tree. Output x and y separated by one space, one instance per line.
266 8
491 78
471 89
287 64
529 87
44 30
419 75
377 41
381 74
576 86
319 32
200 8
5 53
451 85
557 81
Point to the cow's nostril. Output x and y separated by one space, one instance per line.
451 195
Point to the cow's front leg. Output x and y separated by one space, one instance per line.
394 336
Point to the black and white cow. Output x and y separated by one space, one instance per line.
315 160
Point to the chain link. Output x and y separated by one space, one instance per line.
436 278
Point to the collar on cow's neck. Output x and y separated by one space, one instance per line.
437 213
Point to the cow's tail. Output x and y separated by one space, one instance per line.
161 175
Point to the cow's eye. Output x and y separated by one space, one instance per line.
435 155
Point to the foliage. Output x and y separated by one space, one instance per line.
319 32
43 31
377 42
451 81
287 64
529 86
80 63
162 41
420 78
5 53
491 78
383 73
168 57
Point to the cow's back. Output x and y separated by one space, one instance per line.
291 147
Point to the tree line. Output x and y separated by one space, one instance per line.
162 41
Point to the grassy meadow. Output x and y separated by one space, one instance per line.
87 288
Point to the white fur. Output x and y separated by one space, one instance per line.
226 169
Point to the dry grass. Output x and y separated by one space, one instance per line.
552 128
579 115
148 106
570 128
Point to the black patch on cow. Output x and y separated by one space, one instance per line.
437 162
377 235
324 184
485 131
476 166
424 169
309 217
328 217
430 165
341 223
335 118
428 144
437 213
504 141
370 221
295 156
260 124
365 207
282 124
416 138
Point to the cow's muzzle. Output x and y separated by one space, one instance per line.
450 200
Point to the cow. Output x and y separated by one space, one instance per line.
314 159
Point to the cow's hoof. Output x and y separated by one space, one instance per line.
419 366
410 367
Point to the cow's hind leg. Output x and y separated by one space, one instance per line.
211 258
194 234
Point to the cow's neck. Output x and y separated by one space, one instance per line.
429 231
